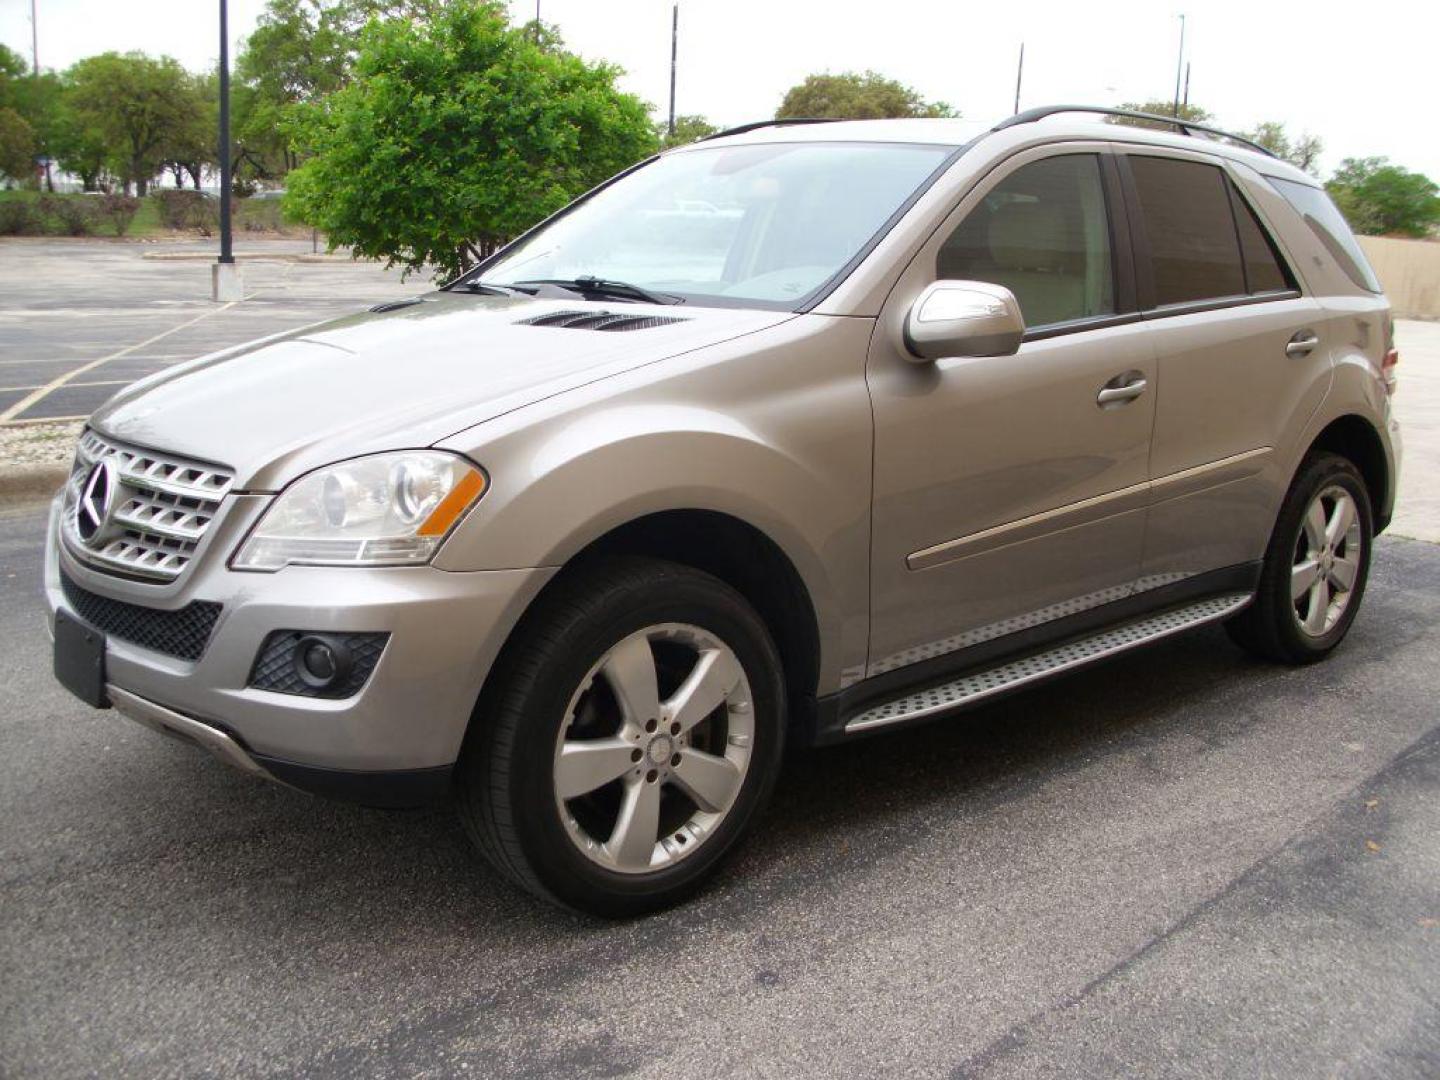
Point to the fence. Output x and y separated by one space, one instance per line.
1410 272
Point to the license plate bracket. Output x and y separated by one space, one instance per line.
80 659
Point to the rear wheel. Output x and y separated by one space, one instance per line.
637 729
1315 567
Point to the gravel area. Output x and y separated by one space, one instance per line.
39 444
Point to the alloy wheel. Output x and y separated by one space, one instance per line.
655 748
1327 561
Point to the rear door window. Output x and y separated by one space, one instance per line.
1194 249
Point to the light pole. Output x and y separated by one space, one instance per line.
1179 59
225 283
674 44
1019 74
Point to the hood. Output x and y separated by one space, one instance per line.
390 380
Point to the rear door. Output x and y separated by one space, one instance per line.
1239 350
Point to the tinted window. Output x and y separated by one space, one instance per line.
1329 225
1263 270
1042 232
1193 246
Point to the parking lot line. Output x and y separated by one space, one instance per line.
60 380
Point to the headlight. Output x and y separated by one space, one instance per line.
385 510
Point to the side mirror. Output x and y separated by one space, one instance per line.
963 318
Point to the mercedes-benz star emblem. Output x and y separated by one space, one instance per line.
96 501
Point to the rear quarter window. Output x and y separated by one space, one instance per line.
1330 227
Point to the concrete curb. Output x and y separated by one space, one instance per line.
251 256
31 482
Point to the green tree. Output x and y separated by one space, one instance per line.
1194 113
193 143
1303 152
134 103
300 51
17 147
688 129
1377 197
36 98
855 96
454 135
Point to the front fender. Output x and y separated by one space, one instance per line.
778 437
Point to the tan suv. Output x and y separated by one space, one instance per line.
800 433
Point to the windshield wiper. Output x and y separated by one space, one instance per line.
619 290
494 288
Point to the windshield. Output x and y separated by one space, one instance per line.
763 225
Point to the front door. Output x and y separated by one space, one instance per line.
1008 491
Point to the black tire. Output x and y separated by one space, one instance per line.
506 775
1269 627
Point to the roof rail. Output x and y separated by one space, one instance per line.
1185 127
755 125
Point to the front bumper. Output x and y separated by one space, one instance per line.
445 630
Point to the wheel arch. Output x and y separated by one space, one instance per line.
729 548
1354 438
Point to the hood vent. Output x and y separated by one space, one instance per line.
598 320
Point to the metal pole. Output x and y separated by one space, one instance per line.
35 37
226 255
674 45
1019 73
1187 83
537 22
1178 59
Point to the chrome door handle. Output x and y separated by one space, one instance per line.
1113 395
1302 344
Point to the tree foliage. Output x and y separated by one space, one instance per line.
17 146
456 134
1303 152
856 96
134 104
688 129
300 51
1194 113
1379 198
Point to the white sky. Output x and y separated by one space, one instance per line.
1359 74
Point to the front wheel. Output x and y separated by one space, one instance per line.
1315 567
636 730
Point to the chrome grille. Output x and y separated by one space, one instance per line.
158 514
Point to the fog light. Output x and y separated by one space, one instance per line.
321 661
317 663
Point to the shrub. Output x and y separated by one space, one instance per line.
73 217
19 218
120 210
203 215
262 216
175 205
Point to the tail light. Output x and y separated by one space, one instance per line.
1387 368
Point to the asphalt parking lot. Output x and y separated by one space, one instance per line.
80 320
1180 863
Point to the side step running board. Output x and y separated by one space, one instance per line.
987 683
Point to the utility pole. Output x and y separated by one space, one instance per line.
1187 83
674 46
1179 58
35 37
225 275
1019 73
537 22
